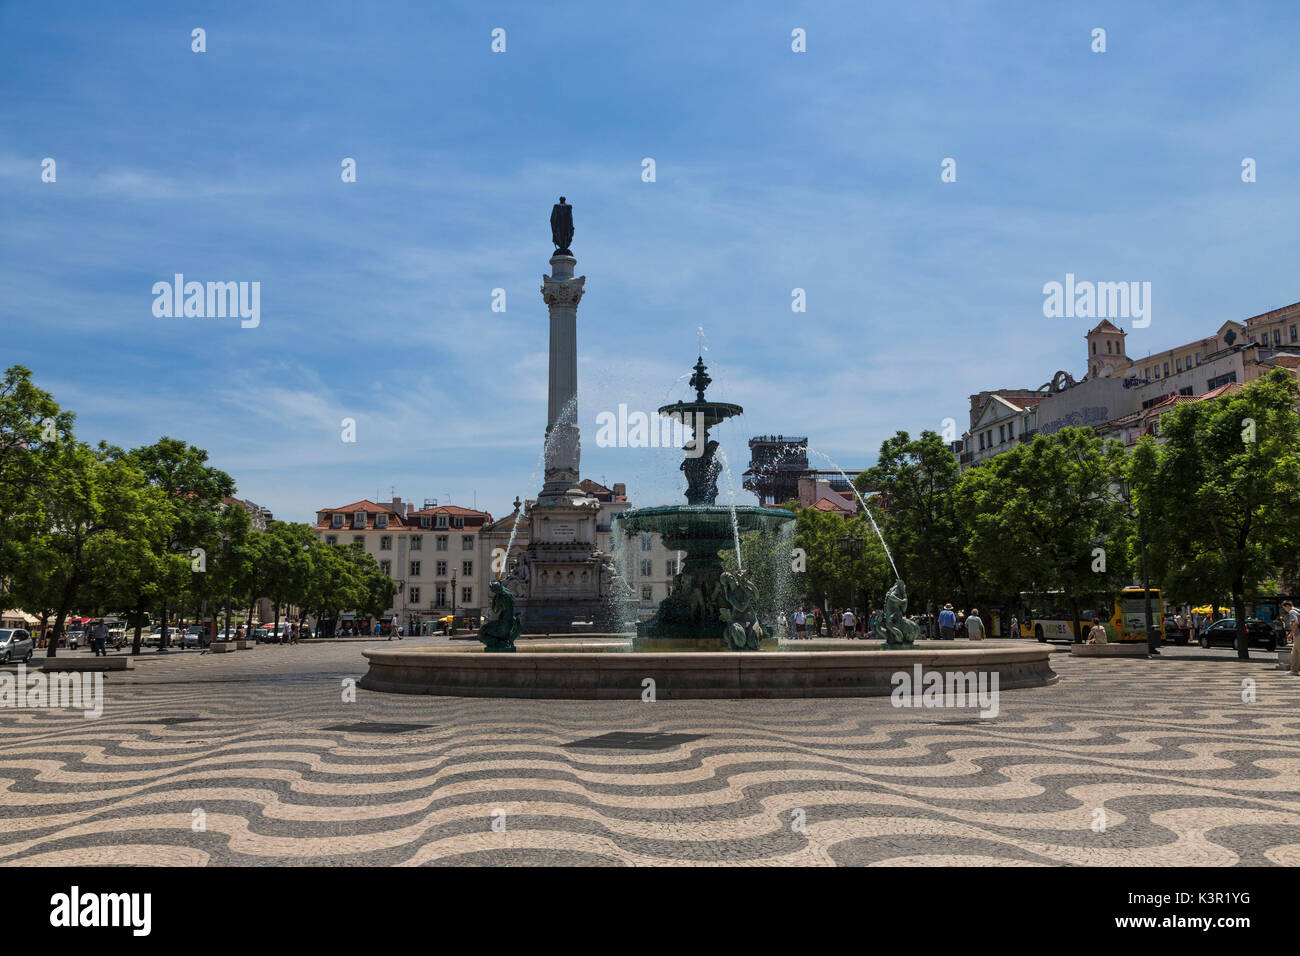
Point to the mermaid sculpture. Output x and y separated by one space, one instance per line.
499 636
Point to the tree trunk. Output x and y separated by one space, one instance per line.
1074 619
65 603
139 626
1239 609
275 627
162 636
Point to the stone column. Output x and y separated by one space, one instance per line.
562 292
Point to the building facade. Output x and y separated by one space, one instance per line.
1116 389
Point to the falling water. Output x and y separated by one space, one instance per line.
863 502
731 493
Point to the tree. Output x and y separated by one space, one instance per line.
835 575
1045 515
1218 491
916 479
32 426
194 494
96 509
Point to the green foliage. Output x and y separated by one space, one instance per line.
835 575
1218 494
917 479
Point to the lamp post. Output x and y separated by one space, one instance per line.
852 546
453 605
225 541
1153 641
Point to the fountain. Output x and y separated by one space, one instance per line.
701 641
708 608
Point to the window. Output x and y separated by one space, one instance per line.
417 543
359 519
1277 336
381 521
647 568
1166 370
441 569
336 520
331 539
466 596
415 569
386 543
426 521
981 441
441 543
670 567
1187 390
1179 364
1094 348
440 596
458 522
1198 358
1293 337
442 521
386 567
413 595
1002 434
467 542
1156 369
358 539
467 568
1108 352
1220 380
647 594
647 542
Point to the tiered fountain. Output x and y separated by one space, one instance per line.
708 608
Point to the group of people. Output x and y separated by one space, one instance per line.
954 625
841 622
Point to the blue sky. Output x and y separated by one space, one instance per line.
775 170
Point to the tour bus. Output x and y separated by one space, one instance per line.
1047 618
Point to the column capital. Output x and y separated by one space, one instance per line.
562 291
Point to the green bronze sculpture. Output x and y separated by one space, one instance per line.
499 636
740 621
898 630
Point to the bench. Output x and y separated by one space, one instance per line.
245 645
117 663
222 647
1125 649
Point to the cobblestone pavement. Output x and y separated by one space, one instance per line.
256 757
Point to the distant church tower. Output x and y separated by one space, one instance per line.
1106 349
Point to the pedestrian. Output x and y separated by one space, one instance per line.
975 626
850 622
1015 626
1098 633
947 624
99 638
800 624
1293 632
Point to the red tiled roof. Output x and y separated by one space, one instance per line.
451 510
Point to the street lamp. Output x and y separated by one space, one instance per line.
852 546
1152 639
225 541
453 604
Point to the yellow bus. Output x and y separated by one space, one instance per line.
1046 618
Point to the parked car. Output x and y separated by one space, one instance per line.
16 644
196 635
74 639
117 638
1224 632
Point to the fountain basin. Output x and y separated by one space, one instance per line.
608 671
